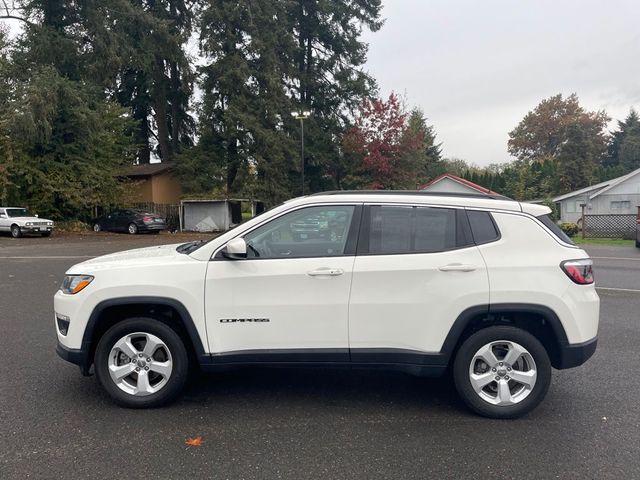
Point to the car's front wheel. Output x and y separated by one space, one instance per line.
16 231
502 372
141 362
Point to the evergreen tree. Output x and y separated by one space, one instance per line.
328 78
62 141
267 59
624 147
146 44
423 151
245 107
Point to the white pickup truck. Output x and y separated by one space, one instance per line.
19 221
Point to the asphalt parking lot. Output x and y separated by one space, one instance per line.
303 423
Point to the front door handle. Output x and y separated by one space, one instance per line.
326 272
458 267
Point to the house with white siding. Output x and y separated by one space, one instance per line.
616 196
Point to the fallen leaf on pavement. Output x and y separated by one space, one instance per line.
194 442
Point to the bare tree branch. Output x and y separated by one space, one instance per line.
10 15
13 17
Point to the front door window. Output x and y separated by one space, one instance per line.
308 232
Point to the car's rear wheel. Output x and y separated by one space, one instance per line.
97 227
141 362
132 228
16 231
502 372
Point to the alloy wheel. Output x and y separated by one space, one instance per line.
503 373
140 364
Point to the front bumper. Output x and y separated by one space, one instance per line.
36 229
78 357
575 354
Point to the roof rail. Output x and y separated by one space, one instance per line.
412 192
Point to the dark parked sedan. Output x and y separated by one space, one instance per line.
129 220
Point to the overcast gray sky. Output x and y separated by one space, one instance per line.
476 67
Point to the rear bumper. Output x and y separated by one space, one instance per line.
151 227
575 354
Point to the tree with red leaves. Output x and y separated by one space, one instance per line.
387 148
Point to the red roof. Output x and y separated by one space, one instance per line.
462 181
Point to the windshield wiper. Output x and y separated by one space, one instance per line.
189 247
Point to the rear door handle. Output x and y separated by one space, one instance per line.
326 272
458 267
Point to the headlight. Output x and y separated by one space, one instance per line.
72 284
29 224
50 224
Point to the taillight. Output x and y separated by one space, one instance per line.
580 271
147 219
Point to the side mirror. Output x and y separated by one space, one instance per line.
235 249
36 215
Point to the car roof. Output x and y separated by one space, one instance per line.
493 202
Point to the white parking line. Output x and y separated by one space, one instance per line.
617 258
47 257
618 289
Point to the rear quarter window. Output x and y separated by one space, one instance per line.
557 231
483 227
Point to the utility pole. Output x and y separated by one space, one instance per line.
302 116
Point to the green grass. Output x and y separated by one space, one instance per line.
613 242
246 216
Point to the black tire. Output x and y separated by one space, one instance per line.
46 234
175 345
466 353
132 228
16 232
97 227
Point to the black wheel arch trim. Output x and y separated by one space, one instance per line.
83 359
567 356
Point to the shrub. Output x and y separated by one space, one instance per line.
71 226
570 229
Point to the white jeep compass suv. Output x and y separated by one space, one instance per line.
486 286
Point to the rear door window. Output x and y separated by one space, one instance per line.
396 229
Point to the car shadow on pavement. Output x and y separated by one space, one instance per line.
315 387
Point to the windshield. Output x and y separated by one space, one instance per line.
18 212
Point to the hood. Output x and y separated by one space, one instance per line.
160 254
